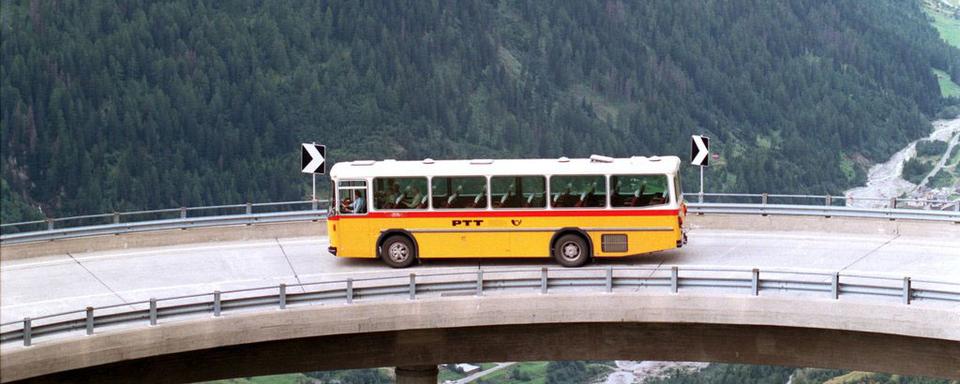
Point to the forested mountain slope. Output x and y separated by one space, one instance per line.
110 104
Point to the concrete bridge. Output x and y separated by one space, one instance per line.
702 324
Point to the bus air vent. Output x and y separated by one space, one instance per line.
481 161
601 159
362 162
428 161
563 159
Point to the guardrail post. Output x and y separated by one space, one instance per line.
480 282
89 320
116 217
249 207
755 282
609 279
835 286
314 204
349 290
893 203
183 212
153 311
763 202
413 286
906 290
27 331
49 223
828 201
216 303
543 280
283 296
674 277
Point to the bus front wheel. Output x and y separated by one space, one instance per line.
571 251
398 252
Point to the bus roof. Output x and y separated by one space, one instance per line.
562 166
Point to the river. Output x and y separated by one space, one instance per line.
885 181
634 372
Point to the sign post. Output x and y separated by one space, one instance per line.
312 161
700 155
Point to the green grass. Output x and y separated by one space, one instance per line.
949 27
948 88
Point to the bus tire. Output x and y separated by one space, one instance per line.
397 251
571 250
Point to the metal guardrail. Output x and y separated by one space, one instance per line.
747 281
726 203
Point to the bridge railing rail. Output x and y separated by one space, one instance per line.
813 284
252 213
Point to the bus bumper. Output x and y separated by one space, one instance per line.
332 250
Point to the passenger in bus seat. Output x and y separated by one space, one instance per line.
414 202
392 195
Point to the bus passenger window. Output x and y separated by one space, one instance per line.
578 191
639 190
400 193
518 191
459 192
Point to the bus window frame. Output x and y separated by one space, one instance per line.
428 193
486 189
606 185
546 192
669 201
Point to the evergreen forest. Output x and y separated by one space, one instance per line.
119 105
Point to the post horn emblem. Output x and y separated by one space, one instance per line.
515 222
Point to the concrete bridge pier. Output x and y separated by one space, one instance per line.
417 374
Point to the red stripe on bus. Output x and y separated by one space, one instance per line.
553 213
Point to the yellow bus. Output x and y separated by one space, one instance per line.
570 209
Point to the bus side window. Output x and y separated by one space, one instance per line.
518 191
400 193
639 190
459 192
578 191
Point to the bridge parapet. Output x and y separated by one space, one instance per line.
761 317
499 281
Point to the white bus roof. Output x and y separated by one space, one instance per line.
594 165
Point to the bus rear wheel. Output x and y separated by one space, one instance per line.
398 252
571 251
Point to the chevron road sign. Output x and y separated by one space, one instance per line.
700 150
311 158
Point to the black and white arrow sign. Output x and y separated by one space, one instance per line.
700 150
311 158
